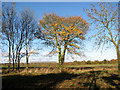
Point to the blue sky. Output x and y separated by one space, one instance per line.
64 9
60 0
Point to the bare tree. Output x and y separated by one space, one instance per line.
18 29
105 17
8 22
29 26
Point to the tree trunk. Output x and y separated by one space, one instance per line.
18 60
26 52
26 59
63 57
9 57
60 68
118 58
13 57
62 63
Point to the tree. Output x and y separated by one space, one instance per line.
28 26
8 22
96 62
105 61
18 31
106 20
0 21
63 34
89 62
19 40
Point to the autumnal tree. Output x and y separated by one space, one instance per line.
105 18
63 33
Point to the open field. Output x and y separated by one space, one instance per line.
65 65
53 67
91 77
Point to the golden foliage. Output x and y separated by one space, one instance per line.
62 29
13 3
53 39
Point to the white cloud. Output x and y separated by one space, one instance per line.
3 54
45 53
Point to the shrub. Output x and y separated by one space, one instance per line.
89 62
104 61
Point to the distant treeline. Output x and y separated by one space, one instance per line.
113 61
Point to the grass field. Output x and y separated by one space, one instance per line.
90 77
56 65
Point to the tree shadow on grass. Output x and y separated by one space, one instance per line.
91 78
111 79
95 76
38 81
86 80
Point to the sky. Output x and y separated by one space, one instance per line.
62 9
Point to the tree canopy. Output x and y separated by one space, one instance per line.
63 33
